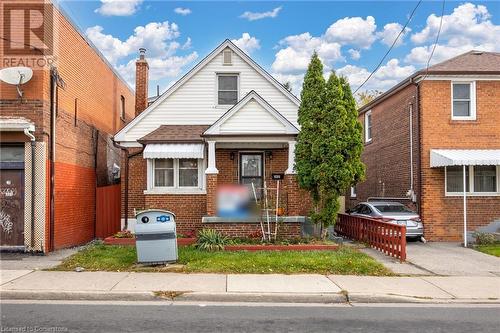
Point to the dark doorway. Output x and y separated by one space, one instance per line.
252 170
12 195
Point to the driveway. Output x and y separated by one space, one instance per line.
26 261
451 259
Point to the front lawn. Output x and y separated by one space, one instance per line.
344 261
493 249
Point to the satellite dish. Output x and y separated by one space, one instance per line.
17 76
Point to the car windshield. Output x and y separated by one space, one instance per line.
392 208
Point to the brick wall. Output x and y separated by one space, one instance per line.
141 86
387 156
192 207
285 230
443 216
88 112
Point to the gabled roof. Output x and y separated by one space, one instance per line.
175 133
289 128
226 44
469 63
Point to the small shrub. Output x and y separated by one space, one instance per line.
124 234
483 238
211 240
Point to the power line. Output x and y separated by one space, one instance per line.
436 41
390 48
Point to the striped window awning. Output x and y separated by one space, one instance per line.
174 150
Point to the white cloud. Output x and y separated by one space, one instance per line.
297 52
247 43
160 41
355 54
353 31
295 81
182 11
390 32
387 76
118 7
253 16
467 27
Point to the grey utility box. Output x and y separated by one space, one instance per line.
156 239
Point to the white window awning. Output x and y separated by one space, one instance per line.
452 157
174 150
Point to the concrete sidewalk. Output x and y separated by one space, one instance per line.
313 288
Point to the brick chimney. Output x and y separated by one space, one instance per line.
141 82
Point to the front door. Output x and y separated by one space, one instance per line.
12 196
252 170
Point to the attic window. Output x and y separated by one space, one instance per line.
227 89
227 57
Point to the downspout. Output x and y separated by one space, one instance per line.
419 145
32 139
96 147
412 192
52 154
128 156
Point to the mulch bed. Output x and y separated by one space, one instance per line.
131 241
276 247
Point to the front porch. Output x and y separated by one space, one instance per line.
262 161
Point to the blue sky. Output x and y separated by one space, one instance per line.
350 36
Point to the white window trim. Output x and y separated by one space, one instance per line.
152 189
226 106
368 139
472 115
353 192
471 185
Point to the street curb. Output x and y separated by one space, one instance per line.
327 298
262 297
78 295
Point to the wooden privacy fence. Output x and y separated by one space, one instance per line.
108 219
386 237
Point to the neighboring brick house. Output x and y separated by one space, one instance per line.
226 122
420 134
89 102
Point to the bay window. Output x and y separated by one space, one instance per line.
480 180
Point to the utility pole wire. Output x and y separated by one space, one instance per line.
436 41
390 48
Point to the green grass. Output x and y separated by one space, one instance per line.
123 258
493 249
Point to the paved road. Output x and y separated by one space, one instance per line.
168 317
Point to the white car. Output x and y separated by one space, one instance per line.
391 212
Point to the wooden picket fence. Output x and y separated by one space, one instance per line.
108 219
386 237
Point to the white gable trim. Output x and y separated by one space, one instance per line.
120 136
252 95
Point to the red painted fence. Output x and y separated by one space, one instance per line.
386 237
108 219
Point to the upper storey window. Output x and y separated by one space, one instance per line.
463 101
227 89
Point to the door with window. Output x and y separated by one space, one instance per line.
252 170
12 195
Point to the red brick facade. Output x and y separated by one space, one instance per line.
444 214
190 208
387 156
88 115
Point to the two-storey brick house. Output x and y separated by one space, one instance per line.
424 132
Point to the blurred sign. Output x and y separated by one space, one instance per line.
233 201
278 176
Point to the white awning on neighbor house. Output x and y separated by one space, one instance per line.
452 157
174 150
